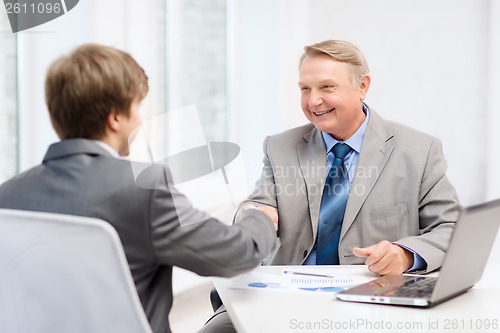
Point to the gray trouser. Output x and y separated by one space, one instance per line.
218 323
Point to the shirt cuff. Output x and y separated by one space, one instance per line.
419 264
252 207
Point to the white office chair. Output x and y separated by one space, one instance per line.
62 273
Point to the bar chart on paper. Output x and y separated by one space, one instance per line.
317 279
295 279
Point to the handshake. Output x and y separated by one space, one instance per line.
268 210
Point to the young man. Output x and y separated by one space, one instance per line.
93 96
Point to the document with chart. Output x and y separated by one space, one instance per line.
309 278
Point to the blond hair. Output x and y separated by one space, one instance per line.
341 51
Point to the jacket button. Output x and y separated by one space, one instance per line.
305 253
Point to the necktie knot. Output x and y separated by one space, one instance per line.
340 150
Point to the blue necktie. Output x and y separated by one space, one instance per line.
333 203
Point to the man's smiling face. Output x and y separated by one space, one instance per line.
329 99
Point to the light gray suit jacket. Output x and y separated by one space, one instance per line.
78 177
399 193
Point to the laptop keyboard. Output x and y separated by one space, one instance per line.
417 287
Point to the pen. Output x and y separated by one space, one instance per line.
310 274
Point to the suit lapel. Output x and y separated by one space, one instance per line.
312 162
375 152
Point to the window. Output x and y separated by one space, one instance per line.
196 62
8 96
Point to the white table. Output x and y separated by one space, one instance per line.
266 311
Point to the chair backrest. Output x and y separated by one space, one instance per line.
62 273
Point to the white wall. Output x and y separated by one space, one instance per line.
433 66
493 120
255 77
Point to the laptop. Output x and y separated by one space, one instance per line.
464 264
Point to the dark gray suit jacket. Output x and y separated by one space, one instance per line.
79 177
399 193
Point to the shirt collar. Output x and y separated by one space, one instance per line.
355 140
108 148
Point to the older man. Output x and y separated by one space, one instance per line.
351 187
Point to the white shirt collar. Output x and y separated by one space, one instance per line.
355 140
108 148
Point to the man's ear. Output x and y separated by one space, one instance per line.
113 121
364 86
